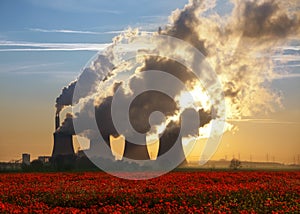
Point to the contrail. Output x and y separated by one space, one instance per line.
75 31
31 46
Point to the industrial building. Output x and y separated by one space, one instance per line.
63 142
26 159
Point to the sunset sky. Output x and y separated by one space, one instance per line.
45 44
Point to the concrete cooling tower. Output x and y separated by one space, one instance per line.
63 142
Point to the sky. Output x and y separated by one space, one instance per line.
45 44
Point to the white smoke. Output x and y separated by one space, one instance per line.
239 47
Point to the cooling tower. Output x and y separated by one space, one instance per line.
63 143
167 142
135 151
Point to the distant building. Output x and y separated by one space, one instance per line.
26 159
44 159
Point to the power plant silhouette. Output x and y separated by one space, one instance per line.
63 142
169 141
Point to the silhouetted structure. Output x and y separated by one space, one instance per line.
63 142
139 113
171 141
44 159
26 159
135 151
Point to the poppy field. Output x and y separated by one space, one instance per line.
175 192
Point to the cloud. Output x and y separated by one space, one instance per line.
264 121
60 73
239 48
58 69
85 83
25 68
74 31
8 46
286 58
89 6
288 66
294 48
287 76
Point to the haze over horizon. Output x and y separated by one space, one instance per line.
44 46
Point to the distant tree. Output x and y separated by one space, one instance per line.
36 166
25 167
235 164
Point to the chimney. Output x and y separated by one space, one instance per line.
57 122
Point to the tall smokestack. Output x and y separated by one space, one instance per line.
57 122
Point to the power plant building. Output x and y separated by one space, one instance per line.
26 159
63 142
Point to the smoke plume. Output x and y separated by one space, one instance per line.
67 126
238 46
85 84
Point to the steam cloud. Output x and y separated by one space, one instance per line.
86 82
238 47
67 125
